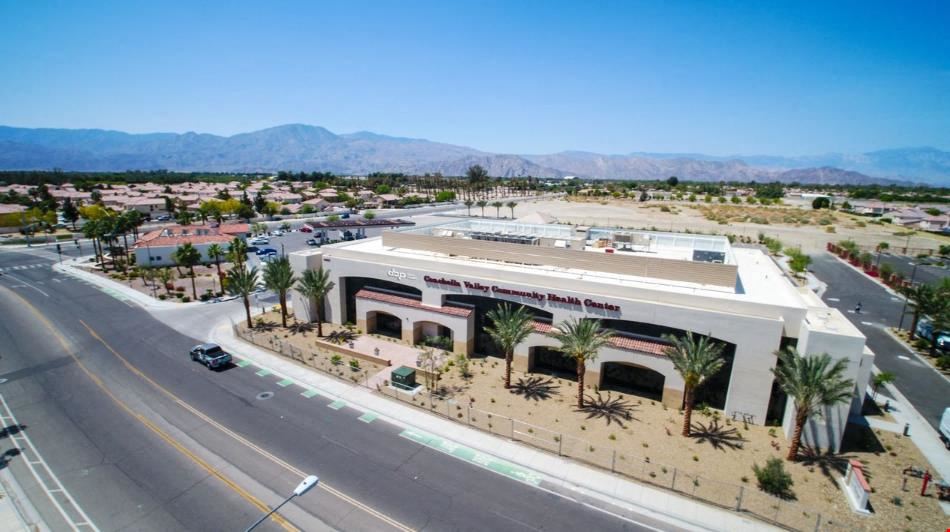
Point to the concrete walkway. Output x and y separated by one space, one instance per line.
17 513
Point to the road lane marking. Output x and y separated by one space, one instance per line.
368 417
243 363
833 299
27 445
24 281
146 422
284 383
902 357
262 372
309 394
336 405
244 441
472 456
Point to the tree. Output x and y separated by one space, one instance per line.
243 282
821 202
497 205
509 327
922 299
696 361
580 340
511 205
316 284
188 256
271 208
476 175
482 204
259 203
882 378
245 212
166 276
673 181
468 205
279 277
369 215
215 253
237 251
814 382
184 217
70 212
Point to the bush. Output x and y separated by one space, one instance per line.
773 478
944 362
185 299
354 364
163 297
336 360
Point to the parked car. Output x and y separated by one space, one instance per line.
266 251
312 242
252 249
945 427
277 232
306 229
345 215
164 218
260 240
925 331
210 355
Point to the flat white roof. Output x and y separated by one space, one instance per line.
760 280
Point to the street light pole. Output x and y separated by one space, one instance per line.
913 274
301 488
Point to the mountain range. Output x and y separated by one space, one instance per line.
302 147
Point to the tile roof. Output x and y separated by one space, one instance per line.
619 342
412 303
182 239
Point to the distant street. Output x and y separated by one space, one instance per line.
928 391
134 457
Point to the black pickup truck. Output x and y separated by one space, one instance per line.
210 355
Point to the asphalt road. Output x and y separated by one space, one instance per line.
926 273
131 453
927 390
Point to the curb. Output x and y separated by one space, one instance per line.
911 350
27 514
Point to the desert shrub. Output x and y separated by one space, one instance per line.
886 270
354 364
773 478
664 208
944 362
825 221
336 360
185 299
830 229
163 297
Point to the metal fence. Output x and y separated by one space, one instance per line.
744 499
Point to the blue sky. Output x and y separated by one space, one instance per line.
514 77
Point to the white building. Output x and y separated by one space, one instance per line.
441 280
156 247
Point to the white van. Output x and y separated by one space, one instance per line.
945 428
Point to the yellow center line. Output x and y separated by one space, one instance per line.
257 503
244 441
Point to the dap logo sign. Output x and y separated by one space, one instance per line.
402 276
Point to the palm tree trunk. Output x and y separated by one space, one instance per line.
319 317
581 369
125 254
796 438
508 357
687 411
247 311
217 264
913 324
283 309
194 289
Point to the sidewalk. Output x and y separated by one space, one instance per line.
16 511
609 492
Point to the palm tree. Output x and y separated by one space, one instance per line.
215 252
468 205
279 277
511 205
188 256
91 230
697 361
814 382
509 327
243 282
580 340
315 284
237 251
922 299
497 205
482 204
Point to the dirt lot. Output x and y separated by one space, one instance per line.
793 225
206 278
721 452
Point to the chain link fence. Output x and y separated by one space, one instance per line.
744 499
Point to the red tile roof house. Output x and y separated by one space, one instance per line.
156 247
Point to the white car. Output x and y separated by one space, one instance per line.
260 241
277 233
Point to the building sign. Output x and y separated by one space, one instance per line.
537 296
402 276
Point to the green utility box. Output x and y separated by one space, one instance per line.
404 377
